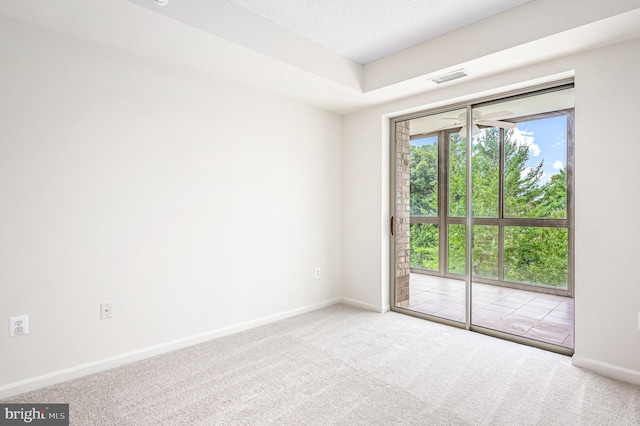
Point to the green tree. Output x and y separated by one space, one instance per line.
532 254
521 183
424 245
423 184
486 173
457 176
536 255
457 249
553 203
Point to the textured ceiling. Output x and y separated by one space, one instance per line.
218 40
366 30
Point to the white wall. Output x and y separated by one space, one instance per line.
365 212
607 205
607 295
194 206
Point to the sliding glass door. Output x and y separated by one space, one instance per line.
497 258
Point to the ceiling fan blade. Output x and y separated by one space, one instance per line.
496 114
495 123
462 118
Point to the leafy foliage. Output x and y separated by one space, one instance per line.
424 245
457 249
532 254
457 176
536 255
423 186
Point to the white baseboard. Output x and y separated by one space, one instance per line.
13 389
367 306
608 370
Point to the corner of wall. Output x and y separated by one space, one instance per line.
607 370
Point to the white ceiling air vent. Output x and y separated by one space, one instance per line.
453 75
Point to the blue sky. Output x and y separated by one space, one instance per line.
549 135
424 141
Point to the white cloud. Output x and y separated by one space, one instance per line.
557 164
525 171
545 178
525 138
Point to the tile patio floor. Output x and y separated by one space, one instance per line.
537 316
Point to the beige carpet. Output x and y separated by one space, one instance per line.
345 366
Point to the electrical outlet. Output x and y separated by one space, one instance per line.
105 310
18 326
317 272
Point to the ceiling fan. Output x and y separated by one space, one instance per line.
482 120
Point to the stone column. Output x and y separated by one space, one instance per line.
402 212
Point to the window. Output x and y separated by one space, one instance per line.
521 190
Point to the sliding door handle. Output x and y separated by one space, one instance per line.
392 227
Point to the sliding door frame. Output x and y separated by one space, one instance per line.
443 219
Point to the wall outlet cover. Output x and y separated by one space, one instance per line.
18 325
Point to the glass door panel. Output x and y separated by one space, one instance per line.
422 179
520 192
